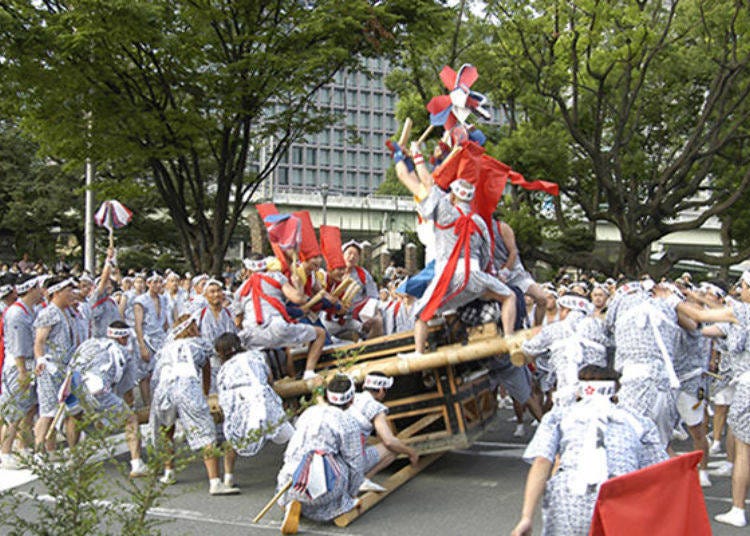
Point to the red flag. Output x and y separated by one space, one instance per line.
661 500
330 243
285 230
487 174
265 210
308 247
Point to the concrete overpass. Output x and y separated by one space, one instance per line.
382 219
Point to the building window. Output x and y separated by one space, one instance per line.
351 96
351 159
338 179
282 175
297 155
338 158
338 136
310 156
325 157
324 137
338 97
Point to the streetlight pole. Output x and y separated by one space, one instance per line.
324 193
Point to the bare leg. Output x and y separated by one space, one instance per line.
741 473
230 457
731 442
537 294
40 431
386 458
534 407
700 442
132 437
72 433
508 314
145 388
211 461
129 398
316 347
720 419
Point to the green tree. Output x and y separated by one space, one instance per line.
38 197
651 98
198 99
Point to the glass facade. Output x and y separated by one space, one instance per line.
350 155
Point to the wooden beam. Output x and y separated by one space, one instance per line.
397 479
397 366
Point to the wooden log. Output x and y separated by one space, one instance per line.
397 366
370 499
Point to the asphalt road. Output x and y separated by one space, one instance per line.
478 491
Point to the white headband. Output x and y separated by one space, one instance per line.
627 288
154 277
340 399
116 333
185 324
57 287
26 286
257 266
713 289
7 289
463 190
745 277
575 303
198 278
212 281
601 287
596 387
671 287
351 243
377 382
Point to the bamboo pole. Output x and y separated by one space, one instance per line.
55 420
273 500
399 366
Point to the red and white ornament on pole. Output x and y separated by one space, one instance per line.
112 215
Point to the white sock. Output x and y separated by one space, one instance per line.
136 463
214 483
6 458
228 479
168 473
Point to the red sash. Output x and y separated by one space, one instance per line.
256 280
100 301
362 276
463 227
245 288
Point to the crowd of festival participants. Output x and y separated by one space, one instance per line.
655 358
612 371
